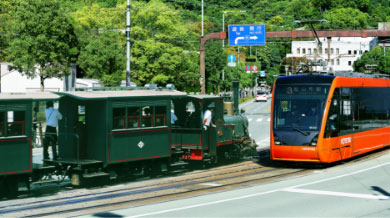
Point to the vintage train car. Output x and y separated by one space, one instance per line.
228 139
114 132
16 136
326 119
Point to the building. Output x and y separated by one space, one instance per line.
13 81
335 54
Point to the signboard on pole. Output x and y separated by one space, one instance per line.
262 73
231 60
246 35
254 68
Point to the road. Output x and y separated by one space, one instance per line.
259 117
353 189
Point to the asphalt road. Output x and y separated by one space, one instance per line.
359 189
259 117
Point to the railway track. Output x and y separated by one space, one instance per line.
145 191
197 182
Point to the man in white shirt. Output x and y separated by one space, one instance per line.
52 117
207 116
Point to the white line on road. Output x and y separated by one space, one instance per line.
269 120
250 119
259 120
258 194
342 194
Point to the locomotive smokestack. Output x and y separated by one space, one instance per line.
236 85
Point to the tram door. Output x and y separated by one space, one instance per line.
80 130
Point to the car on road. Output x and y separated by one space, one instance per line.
261 96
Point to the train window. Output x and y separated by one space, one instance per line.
118 115
332 122
371 110
2 133
16 123
161 116
133 117
147 116
346 119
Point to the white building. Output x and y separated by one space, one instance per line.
13 81
338 54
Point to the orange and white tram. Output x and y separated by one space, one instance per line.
325 119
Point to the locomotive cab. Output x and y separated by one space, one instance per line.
189 134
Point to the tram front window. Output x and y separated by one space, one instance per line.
299 107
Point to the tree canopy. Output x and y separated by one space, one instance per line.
49 35
42 41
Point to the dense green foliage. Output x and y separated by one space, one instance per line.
165 37
42 41
378 58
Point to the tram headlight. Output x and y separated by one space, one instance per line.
314 141
277 141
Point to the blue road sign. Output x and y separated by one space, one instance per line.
246 35
231 58
262 73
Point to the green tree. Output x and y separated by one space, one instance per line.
215 61
346 18
377 57
41 40
5 20
104 58
163 47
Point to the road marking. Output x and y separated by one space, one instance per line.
259 120
250 119
259 194
342 194
269 120
211 184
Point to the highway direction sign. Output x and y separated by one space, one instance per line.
246 35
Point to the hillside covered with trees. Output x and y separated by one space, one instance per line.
51 35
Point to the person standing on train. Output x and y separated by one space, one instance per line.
207 116
52 117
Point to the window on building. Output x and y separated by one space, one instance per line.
309 50
355 52
320 50
315 51
332 51
303 51
332 61
326 51
349 63
349 52
298 50
338 61
337 50
360 52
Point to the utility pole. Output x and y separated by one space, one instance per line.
128 43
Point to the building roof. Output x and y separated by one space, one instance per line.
35 96
121 94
